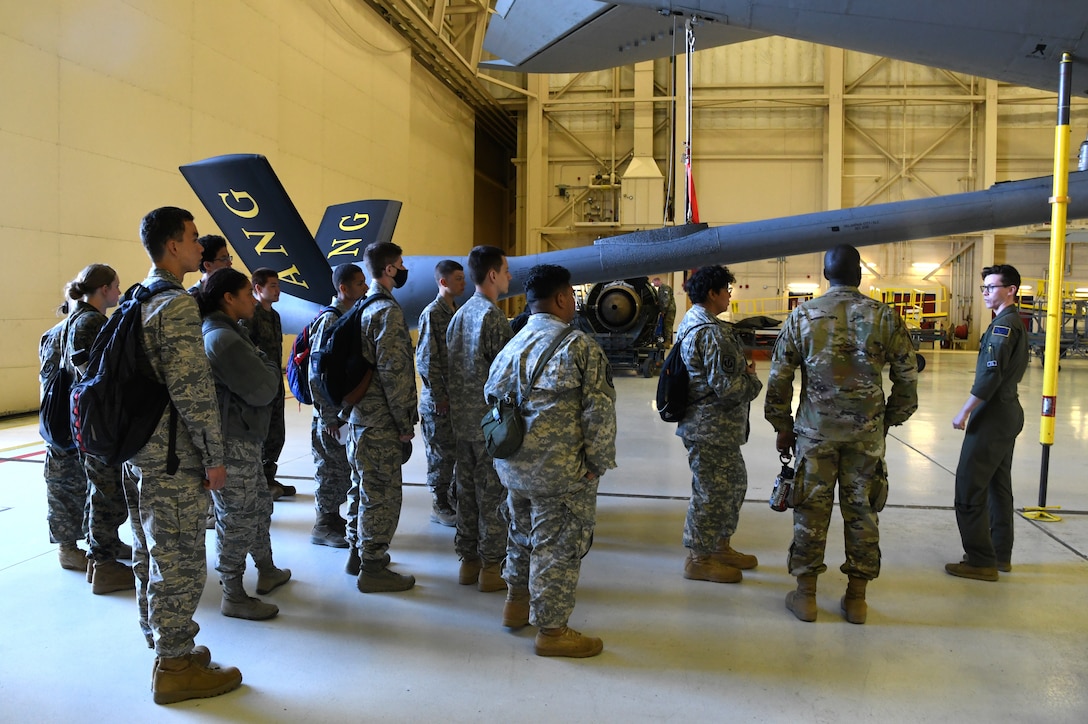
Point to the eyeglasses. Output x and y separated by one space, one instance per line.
223 259
988 288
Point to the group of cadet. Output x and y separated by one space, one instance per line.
523 523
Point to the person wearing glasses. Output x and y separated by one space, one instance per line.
992 418
214 257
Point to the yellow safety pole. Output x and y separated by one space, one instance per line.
1054 302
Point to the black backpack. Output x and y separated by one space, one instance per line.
298 362
672 384
55 413
339 368
117 405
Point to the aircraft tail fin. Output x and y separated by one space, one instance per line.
253 211
347 229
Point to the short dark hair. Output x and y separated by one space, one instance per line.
843 264
446 267
160 226
545 281
212 244
380 254
483 259
344 273
705 280
219 283
262 275
1009 274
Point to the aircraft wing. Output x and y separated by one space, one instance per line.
1016 41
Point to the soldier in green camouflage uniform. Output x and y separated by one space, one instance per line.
434 400
666 303
266 331
476 333
95 290
992 417
332 473
382 421
842 341
168 512
570 441
65 482
722 384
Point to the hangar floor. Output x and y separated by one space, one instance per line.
935 648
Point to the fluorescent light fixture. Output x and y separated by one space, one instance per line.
803 287
924 267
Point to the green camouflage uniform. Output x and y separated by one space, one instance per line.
666 302
67 502
720 392
570 417
477 332
169 512
332 474
266 331
108 509
841 341
246 383
984 508
387 411
433 367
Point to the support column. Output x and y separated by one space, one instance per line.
536 165
986 246
834 86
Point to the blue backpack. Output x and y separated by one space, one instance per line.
298 362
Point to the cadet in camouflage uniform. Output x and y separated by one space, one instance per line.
332 474
993 418
246 381
214 256
476 333
65 482
266 331
381 422
842 341
95 290
722 385
168 512
434 400
570 441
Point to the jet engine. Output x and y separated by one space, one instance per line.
623 317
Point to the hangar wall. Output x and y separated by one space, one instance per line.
104 99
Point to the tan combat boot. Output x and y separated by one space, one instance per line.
708 568
853 603
515 612
72 557
802 602
469 573
564 641
270 578
185 677
110 576
491 578
735 559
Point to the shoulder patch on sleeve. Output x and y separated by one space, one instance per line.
1001 330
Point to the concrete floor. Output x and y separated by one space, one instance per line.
935 648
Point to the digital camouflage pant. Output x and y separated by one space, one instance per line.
273 442
332 473
108 508
719 481
66 500
168 555
376 489
441 447
858 466
243 512
549 536
481 505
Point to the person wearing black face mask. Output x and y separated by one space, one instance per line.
381 422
